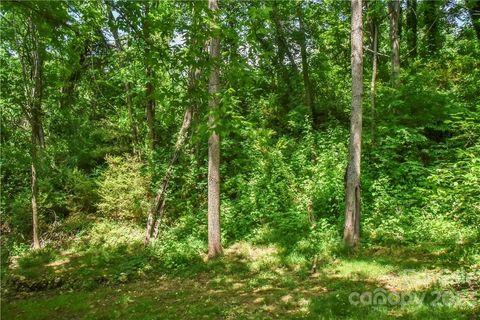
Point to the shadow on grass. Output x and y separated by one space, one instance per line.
248 282
225 293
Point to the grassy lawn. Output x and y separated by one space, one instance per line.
252 283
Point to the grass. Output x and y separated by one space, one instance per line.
107 273
249 282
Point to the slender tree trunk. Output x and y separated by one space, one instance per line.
150 106
150 74
395 40
36 241
373 83
474 10
214 238
309 94
38 141
412 28
352 176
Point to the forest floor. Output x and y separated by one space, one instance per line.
247 283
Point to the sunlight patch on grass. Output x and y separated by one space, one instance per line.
359 270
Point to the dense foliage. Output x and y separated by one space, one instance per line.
117 78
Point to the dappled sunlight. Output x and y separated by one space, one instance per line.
235 285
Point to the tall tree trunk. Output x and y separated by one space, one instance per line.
474 10
150 106
412 28
373 93
214 238
395 39
351 234
309 94
38 141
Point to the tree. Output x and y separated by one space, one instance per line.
351 234
156 210
35 104
31 55
150 76
394 8
214 237
158 206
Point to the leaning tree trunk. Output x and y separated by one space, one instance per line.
352 176
395 40
158 206
214 238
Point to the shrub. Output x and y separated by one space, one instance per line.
123 190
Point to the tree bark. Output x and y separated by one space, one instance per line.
412 28
214 236
36 241
352 176
38 141
309 94
395 40
150 106
373 83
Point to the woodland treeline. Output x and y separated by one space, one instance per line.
198 124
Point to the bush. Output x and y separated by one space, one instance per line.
123 190
82 193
